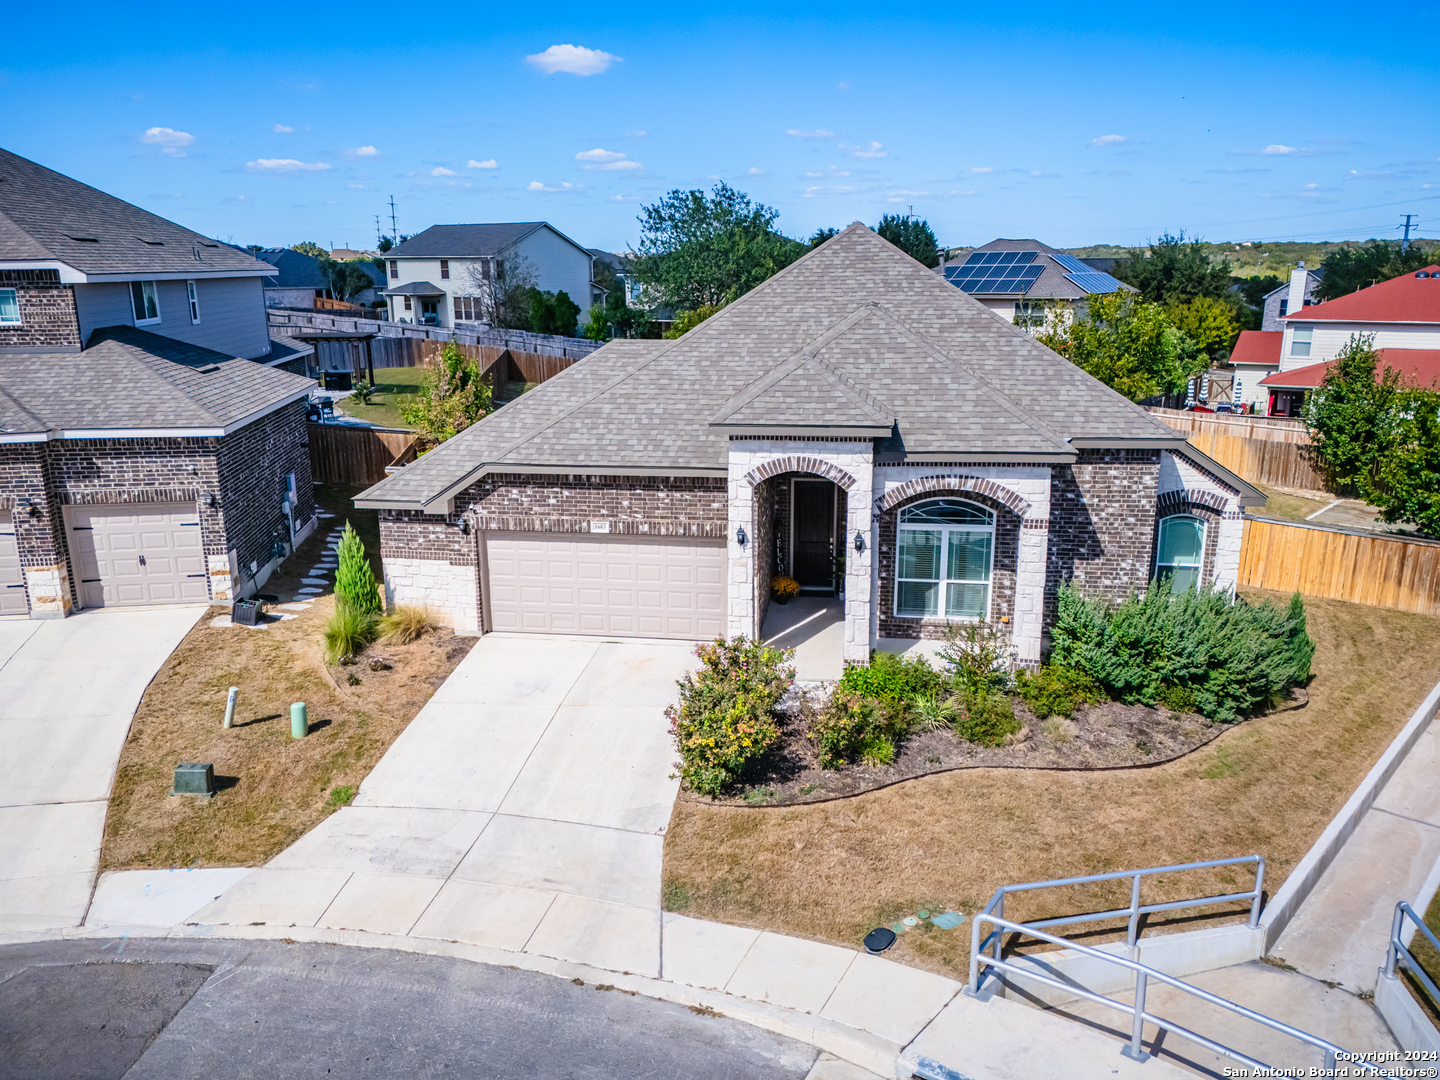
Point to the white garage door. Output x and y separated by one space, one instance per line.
615 586
137 554
12 578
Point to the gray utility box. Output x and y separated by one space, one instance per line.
193 778
245 612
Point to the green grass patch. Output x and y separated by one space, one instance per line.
392 387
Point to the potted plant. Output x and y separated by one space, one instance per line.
784 589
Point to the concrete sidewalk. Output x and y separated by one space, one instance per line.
68 690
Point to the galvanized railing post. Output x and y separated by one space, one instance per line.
975 954
1136 1049
1134 930
1392 952
999 930
1259 892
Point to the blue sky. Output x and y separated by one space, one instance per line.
1072 123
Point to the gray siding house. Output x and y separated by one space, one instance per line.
856 423
152 440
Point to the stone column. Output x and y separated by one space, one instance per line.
860 519
740 602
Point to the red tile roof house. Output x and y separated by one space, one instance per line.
152 442
855 405
1402 314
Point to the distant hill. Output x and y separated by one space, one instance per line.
1249 259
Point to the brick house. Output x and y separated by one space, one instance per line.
844 423
152 440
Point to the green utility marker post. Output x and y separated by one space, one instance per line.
230 706
299 724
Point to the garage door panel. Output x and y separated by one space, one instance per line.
608 586
153 555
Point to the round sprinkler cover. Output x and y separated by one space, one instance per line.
879 939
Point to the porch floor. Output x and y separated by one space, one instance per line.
814 626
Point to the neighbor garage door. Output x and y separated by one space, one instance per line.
137 555
12 578
616 586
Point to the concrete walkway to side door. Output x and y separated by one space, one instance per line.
523 809
68 690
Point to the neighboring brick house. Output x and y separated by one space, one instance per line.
854 422
152 448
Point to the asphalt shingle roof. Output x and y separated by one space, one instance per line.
129 378
956 378
460 241
46 215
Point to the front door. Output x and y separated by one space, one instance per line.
813 531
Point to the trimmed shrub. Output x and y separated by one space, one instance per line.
1231 657
988 718
355 584
1056 691
893 679
347 632
724 720
854 725
404 624
981 655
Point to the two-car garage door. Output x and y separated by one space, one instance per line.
128 555
614 586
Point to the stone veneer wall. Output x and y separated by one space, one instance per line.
1102 523
47 311
39 536
765 537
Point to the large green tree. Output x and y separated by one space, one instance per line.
346 279
1348 269
911 235
1127 343
698 249
1175 270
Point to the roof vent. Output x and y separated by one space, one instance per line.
208 368
1422 273
152 243
83 239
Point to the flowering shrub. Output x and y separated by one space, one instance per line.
786 588
724 719
853 725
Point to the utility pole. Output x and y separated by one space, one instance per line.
378 234
1405 243
394 229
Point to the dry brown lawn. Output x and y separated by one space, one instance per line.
272 788
1269 786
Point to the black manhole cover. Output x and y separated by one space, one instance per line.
879 939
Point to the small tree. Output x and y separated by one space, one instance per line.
911 235
346 279
553 313
355 586
688 320
1350 268
1207 322
309 247
1352 417
504 293
453 395
1127 343
1175 270
820 235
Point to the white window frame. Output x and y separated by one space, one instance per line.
943 580
192 295
154 295
1297 341
19 319
1159 543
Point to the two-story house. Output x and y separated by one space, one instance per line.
152 431
440 276
1022 280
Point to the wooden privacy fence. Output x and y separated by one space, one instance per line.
1342 564
1266 428
1263 451
340 454
392 352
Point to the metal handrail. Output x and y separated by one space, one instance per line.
1136 909
1399 953
1139 1016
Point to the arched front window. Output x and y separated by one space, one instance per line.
1179 550
942 565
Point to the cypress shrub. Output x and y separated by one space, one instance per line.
1230 657
355 584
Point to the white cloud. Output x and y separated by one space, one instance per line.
901 196
1109 140
365 151
842 86
868 151
606 160
281 129
356 187
637 134
977 170
169 140
809 133
536 185
285 165
817 191
832 171
440 170
753 171
572 60
488 163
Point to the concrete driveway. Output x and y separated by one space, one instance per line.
524 808
68 690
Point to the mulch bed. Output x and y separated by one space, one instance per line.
1108 736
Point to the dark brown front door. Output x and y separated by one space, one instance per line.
813 531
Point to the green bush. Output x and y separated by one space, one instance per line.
1056 691
854 725
347 632
355 584
1231 656
980 655
988 718
893 679
724 719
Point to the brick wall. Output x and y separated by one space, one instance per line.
47 310
253 464
1102 523
1003 565
631 505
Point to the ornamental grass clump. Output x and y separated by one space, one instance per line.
725 718
347 632
1224 658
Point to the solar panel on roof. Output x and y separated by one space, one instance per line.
1092 281
1073 265
1006 273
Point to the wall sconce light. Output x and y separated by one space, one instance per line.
859 543
464 526
28 505
210 500
740 536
